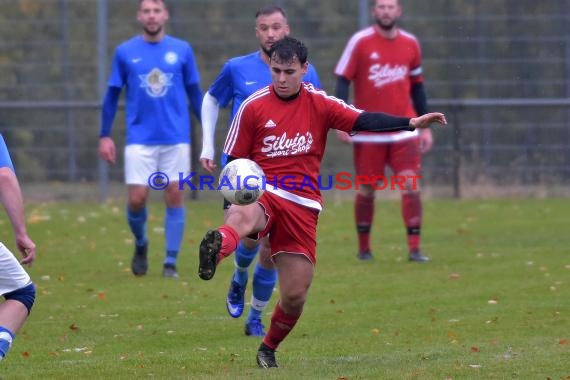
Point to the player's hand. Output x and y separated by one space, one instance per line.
426 140
424 121
107 150
208 164
27 248
344 137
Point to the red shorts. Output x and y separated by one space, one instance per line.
370 159
292 228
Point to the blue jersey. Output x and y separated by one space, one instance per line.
155 75
5 160
242 76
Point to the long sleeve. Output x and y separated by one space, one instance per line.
210 110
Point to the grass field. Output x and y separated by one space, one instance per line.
493 304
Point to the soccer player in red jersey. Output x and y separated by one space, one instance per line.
384 63
283 127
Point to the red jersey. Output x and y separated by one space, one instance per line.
382 71
287 138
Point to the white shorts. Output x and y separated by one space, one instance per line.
142 161
12 275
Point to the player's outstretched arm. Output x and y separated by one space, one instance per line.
383 122
424 121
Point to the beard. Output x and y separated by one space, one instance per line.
153 33
386 26
266 51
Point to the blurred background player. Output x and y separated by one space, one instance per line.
240 77
15 284
160 75
289 217
384 62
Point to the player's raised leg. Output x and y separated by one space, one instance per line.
217 244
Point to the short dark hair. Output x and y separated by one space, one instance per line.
155 1
286 49
269 10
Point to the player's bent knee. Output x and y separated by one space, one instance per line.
25 295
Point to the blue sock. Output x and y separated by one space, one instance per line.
173 233
6 338
242 259
137 222
263 283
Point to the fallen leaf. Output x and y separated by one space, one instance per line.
73 327
563 342
453 335
34 219
454 276
493 302
26 354
474 349
101 296
376 331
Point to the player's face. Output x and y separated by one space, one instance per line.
269 29
287 76
152 15
386 13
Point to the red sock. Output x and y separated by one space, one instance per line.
412 214
230 240
281 325
363 214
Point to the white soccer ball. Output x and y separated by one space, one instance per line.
242 182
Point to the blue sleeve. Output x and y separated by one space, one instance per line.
118 77
191 73
192 83
109 109
5 160
195 95
223 89
312 77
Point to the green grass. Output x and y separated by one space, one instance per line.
386 319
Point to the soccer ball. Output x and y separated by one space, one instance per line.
241 182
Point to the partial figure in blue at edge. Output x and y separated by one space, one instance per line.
160 75
16 286
239 78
